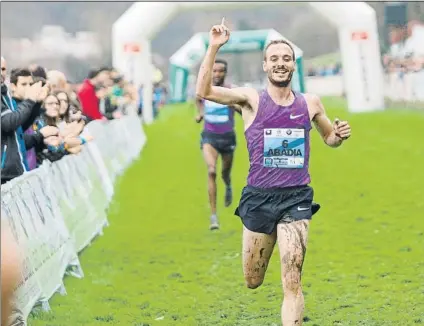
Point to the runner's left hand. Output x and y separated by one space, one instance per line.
341 129
199 118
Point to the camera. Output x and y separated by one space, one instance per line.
75 110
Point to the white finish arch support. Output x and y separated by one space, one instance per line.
360 51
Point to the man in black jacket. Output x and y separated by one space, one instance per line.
16 118
20 81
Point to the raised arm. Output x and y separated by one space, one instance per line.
333 134
218 36
12 119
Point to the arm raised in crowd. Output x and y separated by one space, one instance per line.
11 120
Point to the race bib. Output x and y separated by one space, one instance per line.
284 148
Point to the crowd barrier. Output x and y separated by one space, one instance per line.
55 211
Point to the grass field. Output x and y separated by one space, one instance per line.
158 264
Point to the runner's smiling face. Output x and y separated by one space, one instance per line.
279 64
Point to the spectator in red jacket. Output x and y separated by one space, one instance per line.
87 94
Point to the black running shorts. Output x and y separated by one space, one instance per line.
262 209
223 143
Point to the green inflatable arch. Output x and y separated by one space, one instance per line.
191 54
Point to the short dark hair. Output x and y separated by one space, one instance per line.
16 73
93 73
280 42
39 72
222 61
104 68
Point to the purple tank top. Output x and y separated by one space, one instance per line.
278 144
219 118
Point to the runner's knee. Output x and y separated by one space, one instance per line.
212 171
253 282
291 282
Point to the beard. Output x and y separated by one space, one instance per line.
282 83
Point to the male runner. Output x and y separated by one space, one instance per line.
276 204
218 138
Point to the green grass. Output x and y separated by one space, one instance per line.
158 260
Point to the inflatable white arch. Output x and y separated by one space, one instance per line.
358 37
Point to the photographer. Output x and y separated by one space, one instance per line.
20 81
15 117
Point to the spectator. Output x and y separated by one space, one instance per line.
38 71
130 98
20 81
13 116
113 74
414 46
54 151
87 94
311 72
404 62
158 98
106 106
67 112
338 68
72 92
117 93
56 79
66 106
68 141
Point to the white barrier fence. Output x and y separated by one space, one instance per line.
55 211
